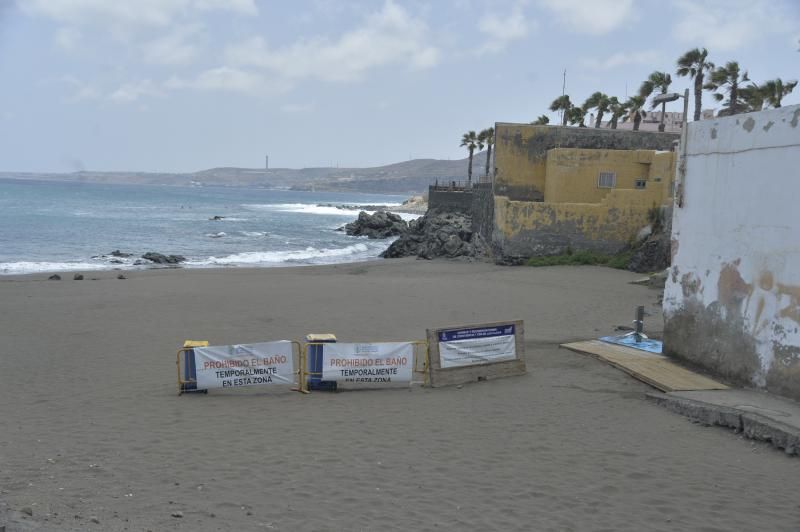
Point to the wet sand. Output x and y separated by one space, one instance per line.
91 425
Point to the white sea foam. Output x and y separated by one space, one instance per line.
254 234
307 208
308 255
217 235
22 267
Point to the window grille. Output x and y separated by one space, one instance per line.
607 180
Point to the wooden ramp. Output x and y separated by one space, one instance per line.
656 370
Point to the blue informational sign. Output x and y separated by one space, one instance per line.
451 335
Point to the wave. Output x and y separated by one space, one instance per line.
22 267
309 255
217 235
328 210
254 234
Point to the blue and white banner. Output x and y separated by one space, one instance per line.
368 365
477 345
232 366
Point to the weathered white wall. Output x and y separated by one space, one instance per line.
732 301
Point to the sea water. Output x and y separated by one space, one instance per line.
61 226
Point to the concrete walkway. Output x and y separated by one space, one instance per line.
758 415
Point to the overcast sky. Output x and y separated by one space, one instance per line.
183 85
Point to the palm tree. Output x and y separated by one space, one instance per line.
543 120
598 101
471 141
656 80
563 104
753 97
727 78
576 115
775 89
694 64
617 110
487 137
635 108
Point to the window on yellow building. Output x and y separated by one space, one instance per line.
607 180
640 183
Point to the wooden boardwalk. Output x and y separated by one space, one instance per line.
656 370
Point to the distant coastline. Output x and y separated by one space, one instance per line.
404 178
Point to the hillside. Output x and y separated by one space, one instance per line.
410 177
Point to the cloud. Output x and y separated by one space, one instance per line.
619 59
501 31
298 108
173 48
67 38
127 13
131 92
387 37
81 91
595 17
228 79
732 24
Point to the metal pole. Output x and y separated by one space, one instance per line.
639 323
680 185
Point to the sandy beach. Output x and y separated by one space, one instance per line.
93 435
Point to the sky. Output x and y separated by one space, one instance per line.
185 85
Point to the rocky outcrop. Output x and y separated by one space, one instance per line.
652 255
159 258
439 234
382 224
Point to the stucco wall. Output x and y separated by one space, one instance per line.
521 152
572 174
530 228
732 301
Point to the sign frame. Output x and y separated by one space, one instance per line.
439 376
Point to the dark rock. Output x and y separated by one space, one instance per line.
178 514
94 519
118 253
439 234
652 255
510 260
139 262
160 258
77 277
27 510
216 218
382 224
120 276
54 277
115 261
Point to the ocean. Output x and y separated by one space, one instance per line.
57 226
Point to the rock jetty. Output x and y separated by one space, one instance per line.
382 224
439 234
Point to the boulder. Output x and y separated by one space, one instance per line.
118 253
54 277
160 258
651 255
439 234
382 224
77 277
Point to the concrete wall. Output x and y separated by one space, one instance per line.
530 228
521 152
449 200
732 301
572 174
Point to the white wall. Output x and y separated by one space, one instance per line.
736 247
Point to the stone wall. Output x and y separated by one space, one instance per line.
521 152
456 200
732 300
482 210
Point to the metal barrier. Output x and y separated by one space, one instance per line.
186 384
423 357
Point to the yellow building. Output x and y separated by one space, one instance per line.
559 188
